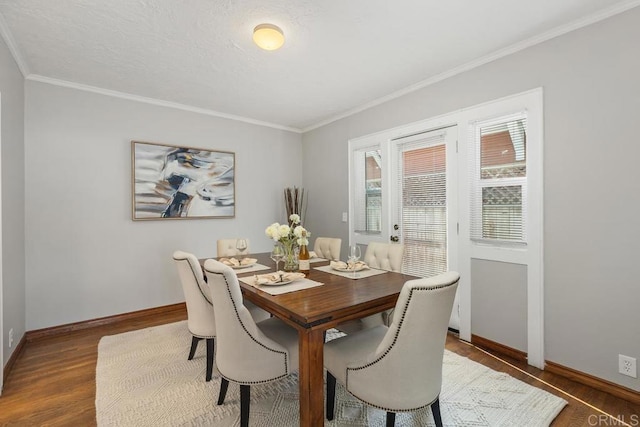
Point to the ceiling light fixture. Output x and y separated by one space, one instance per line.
268 36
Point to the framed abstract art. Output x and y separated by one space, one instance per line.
175 182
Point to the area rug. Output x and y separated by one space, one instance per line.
143 378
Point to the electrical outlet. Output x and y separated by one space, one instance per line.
10 337
627 366
345 217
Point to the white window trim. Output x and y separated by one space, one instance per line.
531 255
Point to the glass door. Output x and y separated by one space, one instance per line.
423 203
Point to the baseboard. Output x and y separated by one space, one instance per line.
13 358
70 327
555 368
496 347
594 382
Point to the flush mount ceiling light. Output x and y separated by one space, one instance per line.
268 36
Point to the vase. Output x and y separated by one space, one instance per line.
290 255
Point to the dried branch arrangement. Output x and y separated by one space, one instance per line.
295 202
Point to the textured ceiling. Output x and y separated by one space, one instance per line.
338 55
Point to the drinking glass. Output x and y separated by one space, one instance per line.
354 256
277 254
241 246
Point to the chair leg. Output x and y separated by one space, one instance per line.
245 396
435 410
224 385
391 419
194 345
210 348
331 395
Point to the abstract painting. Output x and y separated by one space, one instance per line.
173 182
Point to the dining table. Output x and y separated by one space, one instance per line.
312 311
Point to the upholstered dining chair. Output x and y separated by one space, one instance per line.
384 256
397 368
327 248
248 352
200 318
227 247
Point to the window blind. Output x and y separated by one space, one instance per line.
367 179
422 205
498 174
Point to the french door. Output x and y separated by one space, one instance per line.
404 191
423 200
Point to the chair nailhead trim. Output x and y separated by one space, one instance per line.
286 356
195 275
395 339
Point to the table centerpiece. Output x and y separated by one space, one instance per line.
290 236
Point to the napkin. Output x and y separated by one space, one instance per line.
280 276
341 265
236 263
312 254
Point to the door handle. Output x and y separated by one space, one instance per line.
394 238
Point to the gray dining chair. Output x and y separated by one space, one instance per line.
397 368
248 352
200 312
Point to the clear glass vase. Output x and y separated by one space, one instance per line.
290 255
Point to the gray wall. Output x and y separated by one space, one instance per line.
499 302
13 258
86 258
592 181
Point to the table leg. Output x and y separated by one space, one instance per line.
311 378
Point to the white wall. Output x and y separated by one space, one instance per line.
12 293
592 181
86 258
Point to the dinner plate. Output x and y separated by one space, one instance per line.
239 267
285 282
347 270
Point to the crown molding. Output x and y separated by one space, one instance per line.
13 47
157 102
558 31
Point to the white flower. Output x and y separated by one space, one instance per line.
272 231
286 234
294 218
283 231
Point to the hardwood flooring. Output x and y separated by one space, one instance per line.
53 381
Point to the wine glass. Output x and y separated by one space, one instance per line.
241 246
354 256
277 254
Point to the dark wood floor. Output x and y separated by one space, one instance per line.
53 381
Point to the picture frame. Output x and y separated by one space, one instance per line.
179 182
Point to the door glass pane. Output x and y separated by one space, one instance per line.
424 210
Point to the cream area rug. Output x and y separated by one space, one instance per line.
143 378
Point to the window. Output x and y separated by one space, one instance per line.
499 179
367 168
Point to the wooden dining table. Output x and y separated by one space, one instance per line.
314 310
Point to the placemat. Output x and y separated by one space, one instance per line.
349 274
298 285
312 260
